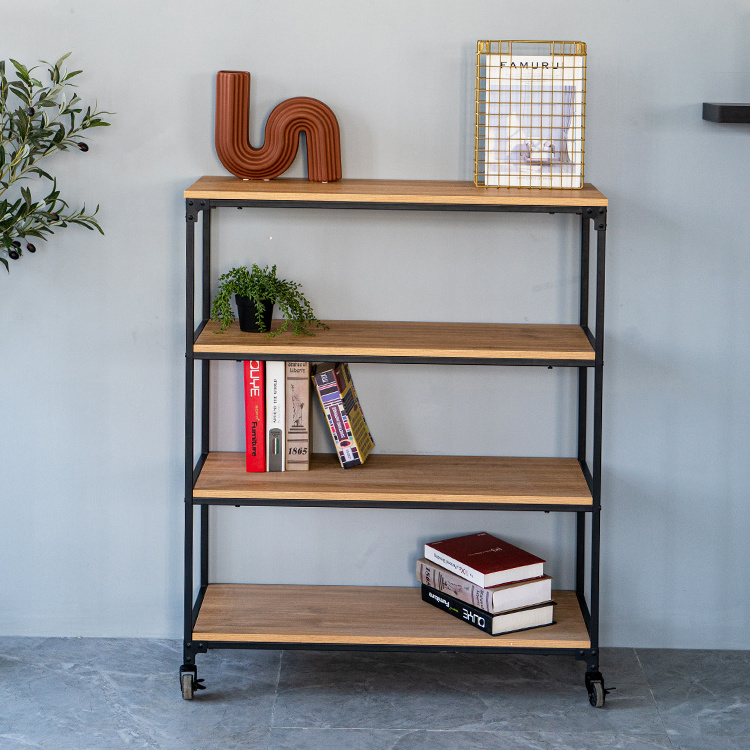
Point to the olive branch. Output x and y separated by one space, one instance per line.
38 120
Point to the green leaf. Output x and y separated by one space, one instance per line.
62 59
23 71
20 91
40 172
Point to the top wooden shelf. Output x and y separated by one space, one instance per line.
388 192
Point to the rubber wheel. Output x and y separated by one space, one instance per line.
596 694
187 686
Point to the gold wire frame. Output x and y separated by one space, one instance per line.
529 120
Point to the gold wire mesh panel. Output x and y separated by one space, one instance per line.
529 116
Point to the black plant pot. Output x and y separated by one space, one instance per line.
247 312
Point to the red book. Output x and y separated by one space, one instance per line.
484 559
255 415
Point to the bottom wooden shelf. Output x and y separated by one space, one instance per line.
363 615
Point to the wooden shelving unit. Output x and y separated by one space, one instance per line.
393 618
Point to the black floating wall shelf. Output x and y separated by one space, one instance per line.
726 112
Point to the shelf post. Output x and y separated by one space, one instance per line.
205 382
597 215
583 379
193 209
191 215
600 224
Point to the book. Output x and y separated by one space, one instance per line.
493 600
525 618
255 415
484 559
344 416
275 427
531 126
298 416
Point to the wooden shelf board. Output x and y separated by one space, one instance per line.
398 479
363 615
425 192
362 338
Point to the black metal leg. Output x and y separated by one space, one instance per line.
191 218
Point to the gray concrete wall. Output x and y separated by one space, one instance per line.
92 336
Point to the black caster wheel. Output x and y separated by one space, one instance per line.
595 688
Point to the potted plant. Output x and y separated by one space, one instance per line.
37 121
256 291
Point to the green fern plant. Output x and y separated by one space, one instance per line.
264 287
38 120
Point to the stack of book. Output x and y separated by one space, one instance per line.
277 414
488 583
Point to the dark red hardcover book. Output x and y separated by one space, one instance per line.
255 415
484 559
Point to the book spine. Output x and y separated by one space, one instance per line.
255 415
297 416
461 610
275 427
454 565
450 583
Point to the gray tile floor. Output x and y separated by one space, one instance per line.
96 694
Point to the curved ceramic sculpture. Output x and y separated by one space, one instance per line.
283 128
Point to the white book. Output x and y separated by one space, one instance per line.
494 600
275 415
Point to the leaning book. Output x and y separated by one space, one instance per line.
526 618
494 600
343 413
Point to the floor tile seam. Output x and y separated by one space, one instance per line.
494 732
276 689
653 698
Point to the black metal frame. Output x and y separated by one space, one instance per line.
596 216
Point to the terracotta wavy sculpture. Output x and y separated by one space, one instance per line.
283 128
